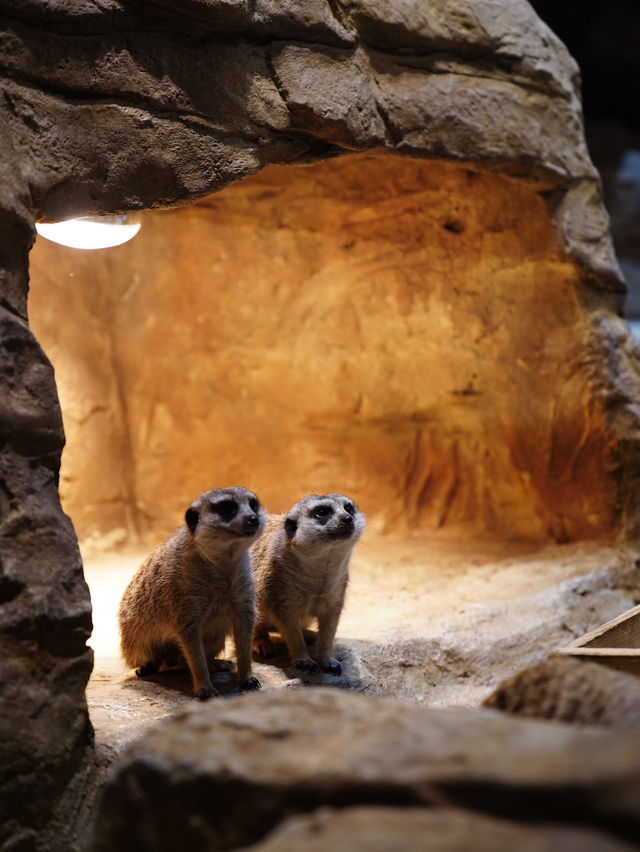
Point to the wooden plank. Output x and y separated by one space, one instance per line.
615 644
620 632
597 652
621 659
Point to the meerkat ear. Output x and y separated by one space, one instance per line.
191 518
290 527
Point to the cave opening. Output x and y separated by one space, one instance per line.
435 329
404 331
407 330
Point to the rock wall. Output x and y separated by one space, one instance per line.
407 331
45 614
105 107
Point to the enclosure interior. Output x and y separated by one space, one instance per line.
407 332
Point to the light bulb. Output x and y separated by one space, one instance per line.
92 232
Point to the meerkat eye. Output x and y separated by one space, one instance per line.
227 509
254 505
322 512
350 508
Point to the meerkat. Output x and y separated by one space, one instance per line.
301 570
194 590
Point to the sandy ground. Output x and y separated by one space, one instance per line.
396 588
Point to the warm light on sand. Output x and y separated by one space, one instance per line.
91 233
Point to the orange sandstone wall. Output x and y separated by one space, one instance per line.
406 331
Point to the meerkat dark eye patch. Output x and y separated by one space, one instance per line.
290 527
254 505
226 509
191 517
322 512
350 508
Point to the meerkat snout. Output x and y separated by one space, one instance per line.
301 571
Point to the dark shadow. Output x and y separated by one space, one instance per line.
180 680
353 676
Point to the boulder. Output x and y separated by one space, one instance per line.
224 775
461 658
571 690
441 829
115 106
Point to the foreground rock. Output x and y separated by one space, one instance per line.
386 829
571 691
45 613
224 775
123 706
114 106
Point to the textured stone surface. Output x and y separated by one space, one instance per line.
387 829
459 659
571 690
44 603
106 106
224 775
170 119
372 323
139 113
440 627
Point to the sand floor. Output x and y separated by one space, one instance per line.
396 588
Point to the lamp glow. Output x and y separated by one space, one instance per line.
92 232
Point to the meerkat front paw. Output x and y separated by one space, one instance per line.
216 665
306 664
148 668
206 692
333 668
250 684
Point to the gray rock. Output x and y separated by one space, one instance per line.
387 829
45 614
224 775
329 94
571 690
112 106
314 20
459 659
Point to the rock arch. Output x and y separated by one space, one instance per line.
108 109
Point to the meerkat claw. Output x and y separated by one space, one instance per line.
206 692
250 684
307 666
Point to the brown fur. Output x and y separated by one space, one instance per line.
194 590
301 571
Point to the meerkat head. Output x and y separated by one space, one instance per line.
225 516
332 521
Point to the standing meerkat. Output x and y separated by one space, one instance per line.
194 590
301 570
